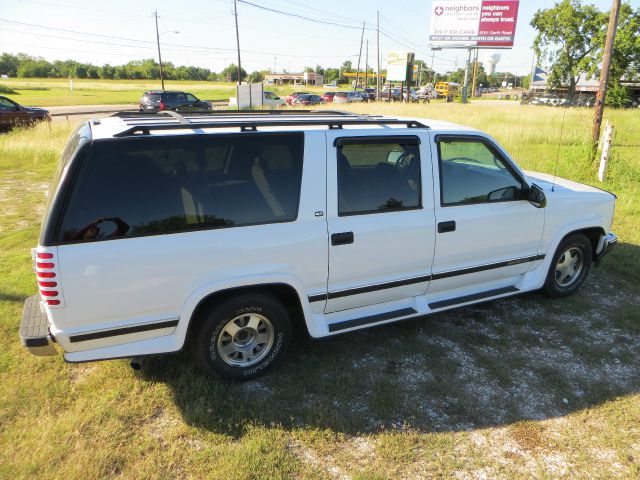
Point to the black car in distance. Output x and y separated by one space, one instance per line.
12 114
158 100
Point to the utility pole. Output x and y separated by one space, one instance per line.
433 57
366 66
235 14
155 14
604 74
378 59
359 55
465 89
475 73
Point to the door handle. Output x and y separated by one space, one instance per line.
343 238
449 226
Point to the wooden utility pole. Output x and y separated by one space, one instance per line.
378 59
359 56
235 14
155 14
366 66
465 88
604 74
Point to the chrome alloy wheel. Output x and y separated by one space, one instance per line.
569 267
245 340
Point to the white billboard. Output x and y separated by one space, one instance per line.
473 23
397 64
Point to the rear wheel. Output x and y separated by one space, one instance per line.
242 337
569 267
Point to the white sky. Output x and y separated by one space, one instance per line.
206 29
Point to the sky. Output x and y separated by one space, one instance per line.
202 32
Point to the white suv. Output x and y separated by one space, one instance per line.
221 231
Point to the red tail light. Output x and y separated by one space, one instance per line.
162 106
45 271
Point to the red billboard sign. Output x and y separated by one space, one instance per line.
473 23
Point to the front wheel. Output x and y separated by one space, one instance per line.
569 267
242 337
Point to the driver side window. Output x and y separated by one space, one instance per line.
472 172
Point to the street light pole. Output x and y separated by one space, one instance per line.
155 14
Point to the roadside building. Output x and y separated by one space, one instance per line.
305 78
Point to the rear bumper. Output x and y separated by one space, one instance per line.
605 245
34 329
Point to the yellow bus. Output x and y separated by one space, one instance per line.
447 90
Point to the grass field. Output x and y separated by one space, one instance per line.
47 92
517 388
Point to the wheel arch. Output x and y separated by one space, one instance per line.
592 233
284 292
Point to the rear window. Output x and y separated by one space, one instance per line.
155 186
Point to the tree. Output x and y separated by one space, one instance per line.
9 64
565 40
625 58
232 72
256 77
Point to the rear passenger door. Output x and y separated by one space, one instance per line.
380 216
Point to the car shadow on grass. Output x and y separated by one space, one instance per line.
522 358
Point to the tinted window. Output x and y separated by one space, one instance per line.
473 172
378 177
6 104
164 185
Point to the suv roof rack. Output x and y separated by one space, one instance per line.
261 118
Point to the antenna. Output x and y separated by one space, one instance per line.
555 167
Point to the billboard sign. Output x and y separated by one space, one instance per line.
473 23
398 64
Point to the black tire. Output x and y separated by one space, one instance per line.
212 334
574 248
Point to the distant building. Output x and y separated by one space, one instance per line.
584 84
306 78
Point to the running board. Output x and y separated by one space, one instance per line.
472 298
381 317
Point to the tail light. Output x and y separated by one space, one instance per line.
162 105
47 273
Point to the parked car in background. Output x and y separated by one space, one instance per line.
307 99
328 96
391 94
12 114
292 96
347 97
272 100
159 100
371 93
363 95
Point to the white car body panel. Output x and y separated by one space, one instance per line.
133 282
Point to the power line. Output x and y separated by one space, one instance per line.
302 17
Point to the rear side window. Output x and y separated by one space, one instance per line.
156 186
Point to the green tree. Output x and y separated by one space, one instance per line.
625 58
256 77
9 64
565 40
232 72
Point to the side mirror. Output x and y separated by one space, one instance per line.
537 197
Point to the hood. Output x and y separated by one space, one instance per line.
36 110
546 182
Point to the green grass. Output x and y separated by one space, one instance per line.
519 388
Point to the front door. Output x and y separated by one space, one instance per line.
380 218
487 229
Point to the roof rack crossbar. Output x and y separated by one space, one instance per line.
252 126
224 113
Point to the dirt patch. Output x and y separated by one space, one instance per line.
325 464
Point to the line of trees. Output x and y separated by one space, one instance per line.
26 66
